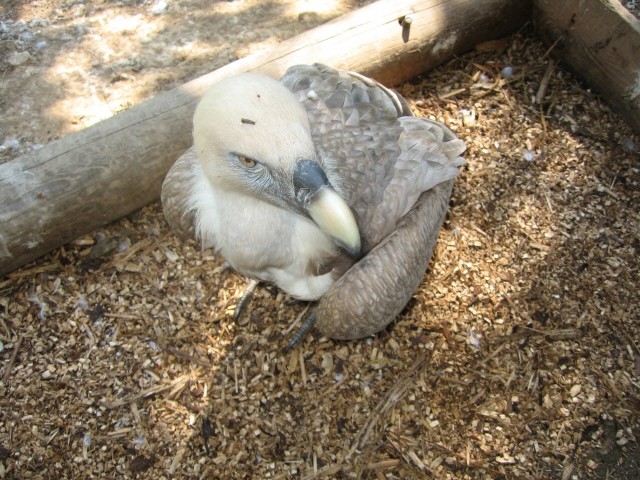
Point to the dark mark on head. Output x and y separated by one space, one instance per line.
246 121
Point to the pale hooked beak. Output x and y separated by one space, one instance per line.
326 208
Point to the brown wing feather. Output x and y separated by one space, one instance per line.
175 194
382 283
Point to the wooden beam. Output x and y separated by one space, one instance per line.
87 179
599 40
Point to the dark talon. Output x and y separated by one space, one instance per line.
273 290
307 325
245 299
295 301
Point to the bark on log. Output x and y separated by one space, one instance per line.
87 179
599 40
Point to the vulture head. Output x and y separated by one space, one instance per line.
322 183
252 136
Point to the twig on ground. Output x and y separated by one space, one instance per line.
12 360
392 397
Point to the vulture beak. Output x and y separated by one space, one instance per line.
327 209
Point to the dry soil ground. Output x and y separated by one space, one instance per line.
519 356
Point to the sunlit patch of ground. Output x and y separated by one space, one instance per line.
67 65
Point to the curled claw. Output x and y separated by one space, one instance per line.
296 338
245 299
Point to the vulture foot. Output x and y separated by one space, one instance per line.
295 301
245 299
272 289
307 324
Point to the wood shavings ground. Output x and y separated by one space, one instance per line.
129 365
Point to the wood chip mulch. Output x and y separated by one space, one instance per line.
519 356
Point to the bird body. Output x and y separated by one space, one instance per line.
300 182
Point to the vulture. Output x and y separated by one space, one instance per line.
323 184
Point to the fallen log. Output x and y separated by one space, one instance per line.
599 40
87 179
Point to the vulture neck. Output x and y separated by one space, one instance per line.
266 242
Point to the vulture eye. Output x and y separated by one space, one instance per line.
247 162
